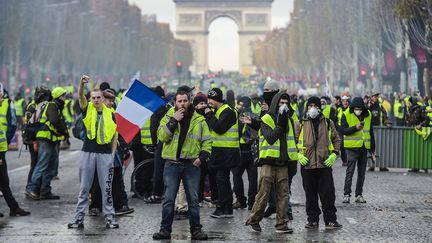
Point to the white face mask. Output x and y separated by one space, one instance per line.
283 108
313 112
358 112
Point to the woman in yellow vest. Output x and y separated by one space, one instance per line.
356 126
277 148
319 146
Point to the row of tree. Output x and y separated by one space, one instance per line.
58 40
361 42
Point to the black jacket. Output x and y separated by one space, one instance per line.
347 130
223 158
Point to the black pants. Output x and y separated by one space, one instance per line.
117 191
33 160
159 165
143 179
4 184
359 157
211 175
247 164
318 183
224 189
343 151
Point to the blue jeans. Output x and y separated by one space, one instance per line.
45 169
173 173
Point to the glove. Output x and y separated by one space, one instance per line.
303 160
330 160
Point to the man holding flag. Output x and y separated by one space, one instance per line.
97 153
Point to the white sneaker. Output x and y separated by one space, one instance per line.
346 199
360 199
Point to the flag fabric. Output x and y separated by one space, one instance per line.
137 105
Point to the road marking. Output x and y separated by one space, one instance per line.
351 220
25 167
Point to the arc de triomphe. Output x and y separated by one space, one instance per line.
193 18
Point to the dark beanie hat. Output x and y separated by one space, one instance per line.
215 94
314 100
358 102
199 97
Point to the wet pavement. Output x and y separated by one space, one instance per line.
398 209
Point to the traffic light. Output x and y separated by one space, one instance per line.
179 66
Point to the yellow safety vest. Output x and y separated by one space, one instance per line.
429 114
326 111
340 111
302 148
256 108
397 114
47 130
294 116
198 138
3 125
272 151
106 129
360 138
18 104
68 114
146 138
229 139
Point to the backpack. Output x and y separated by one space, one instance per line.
78 130
33 124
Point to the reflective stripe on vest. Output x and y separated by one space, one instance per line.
146 138
230 139
359 138
106 129
47 130
272 151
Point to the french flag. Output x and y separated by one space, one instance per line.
137 105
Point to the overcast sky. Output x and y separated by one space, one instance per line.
223 36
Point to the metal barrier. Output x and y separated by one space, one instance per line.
402 147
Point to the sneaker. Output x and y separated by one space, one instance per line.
255 227
153 199
32 195
383 169
371 169
76 224
124 210
111 223
94 212
312 225
346 199
218 213
198 234
49 196
18 212
269 211
284 230
228 213
333 225
163 234
360 199
239 205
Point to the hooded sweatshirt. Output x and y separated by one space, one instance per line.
272 135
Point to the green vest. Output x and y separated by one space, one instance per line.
359 138
106 124
272 151
396 106
146 138
326 111
47 130
3 125
302 148
198 138
229 139
429 114
340 112
18 104
294 116
68 111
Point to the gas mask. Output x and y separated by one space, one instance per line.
313 112
358 112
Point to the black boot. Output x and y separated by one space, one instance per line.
198 234
163 234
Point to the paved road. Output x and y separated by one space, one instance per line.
398 209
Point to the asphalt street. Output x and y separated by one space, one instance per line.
398 209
